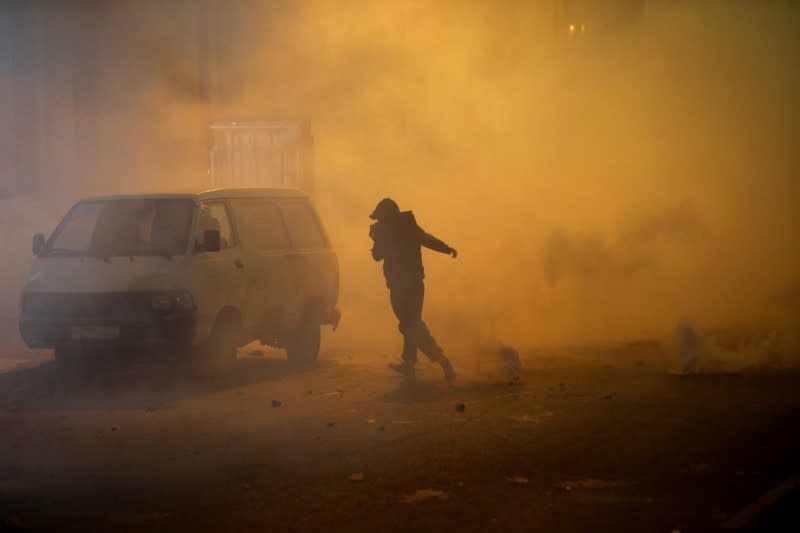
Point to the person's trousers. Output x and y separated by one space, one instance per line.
407 299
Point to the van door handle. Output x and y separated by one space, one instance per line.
238 263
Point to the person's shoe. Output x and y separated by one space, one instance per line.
447 366
403 367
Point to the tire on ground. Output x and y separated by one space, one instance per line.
70 357
221 346
302 346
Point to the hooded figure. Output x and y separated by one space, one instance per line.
398 241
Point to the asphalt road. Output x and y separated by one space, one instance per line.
599 439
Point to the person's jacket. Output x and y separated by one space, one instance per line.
398 242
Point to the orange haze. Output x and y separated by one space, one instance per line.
596 189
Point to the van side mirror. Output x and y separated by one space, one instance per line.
38 243
211 240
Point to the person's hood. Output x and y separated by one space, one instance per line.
386 208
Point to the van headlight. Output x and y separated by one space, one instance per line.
172 301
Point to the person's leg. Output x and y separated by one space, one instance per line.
403 306
400 305
428 345
434 352
414 293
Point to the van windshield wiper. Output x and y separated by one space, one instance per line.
129 254
64 251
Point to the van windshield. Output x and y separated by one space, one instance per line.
126 227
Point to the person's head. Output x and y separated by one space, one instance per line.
386 208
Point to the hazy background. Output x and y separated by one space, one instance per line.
599 187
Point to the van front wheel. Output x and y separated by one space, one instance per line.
69 356
302 346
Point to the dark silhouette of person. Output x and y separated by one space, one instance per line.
398 241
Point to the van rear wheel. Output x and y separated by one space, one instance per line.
303 344
220 349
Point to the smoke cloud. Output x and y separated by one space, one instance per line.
598 187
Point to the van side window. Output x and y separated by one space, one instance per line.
261 226
210 216
304 229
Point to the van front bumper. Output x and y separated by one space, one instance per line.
43 331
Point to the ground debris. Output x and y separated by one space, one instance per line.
587 483
357 476
517 480
533 418
421 495
142 517
12 522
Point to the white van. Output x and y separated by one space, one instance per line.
212 270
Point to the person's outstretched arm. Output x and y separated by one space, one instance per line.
429 241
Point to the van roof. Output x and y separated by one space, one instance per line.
231 192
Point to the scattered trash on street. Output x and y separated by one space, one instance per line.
12 522
532 419
588 483
421 495
143 517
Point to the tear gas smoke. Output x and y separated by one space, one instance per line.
730 351
596 189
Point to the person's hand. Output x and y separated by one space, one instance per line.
453 253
